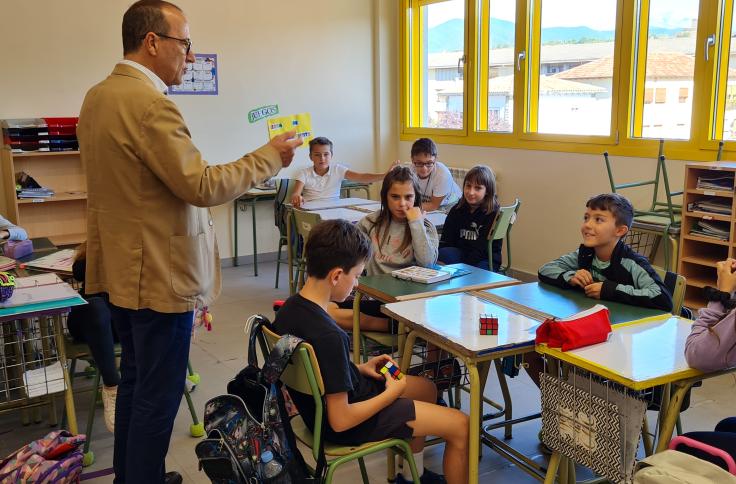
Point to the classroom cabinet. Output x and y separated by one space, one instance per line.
61 217
708 232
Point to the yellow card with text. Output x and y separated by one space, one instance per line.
301 123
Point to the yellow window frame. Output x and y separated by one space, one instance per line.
626 92
413 68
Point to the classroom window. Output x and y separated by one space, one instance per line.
437 79
667 62
575 67
497 29
726 96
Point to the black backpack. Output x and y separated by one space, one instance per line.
252 419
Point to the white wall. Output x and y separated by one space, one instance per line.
315 57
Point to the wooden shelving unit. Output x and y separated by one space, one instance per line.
63 217
699 254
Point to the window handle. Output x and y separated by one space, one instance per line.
519 58
461 60
710 41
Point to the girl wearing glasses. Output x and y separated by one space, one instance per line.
436 186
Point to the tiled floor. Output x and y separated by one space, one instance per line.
219 354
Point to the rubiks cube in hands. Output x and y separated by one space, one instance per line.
391 369
488 325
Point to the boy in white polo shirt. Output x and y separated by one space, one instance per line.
323 181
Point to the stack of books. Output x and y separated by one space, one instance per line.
722 182
712 229
711 205
42 192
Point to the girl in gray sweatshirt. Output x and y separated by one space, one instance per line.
400 235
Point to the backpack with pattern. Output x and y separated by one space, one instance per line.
55 458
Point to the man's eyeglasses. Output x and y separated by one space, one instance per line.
186 42
419 164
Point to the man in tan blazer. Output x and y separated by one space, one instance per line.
150 241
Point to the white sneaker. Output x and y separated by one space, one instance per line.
109 395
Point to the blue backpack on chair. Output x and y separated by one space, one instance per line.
249 436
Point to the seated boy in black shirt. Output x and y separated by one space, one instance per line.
362 404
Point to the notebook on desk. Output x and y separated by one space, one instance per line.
427 275
60 261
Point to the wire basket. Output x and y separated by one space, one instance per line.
592 421
643 243
29 361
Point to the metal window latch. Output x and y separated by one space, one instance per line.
461 60
519 58
710 41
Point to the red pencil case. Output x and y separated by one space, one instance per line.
582 329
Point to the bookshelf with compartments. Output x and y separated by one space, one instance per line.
708 233
63 216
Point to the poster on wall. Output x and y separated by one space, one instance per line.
200 77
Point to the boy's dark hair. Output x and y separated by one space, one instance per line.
617 204
424 146
320 140
142 17
335 243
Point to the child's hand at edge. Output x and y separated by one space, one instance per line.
594 290
396 387
581 278
371 367
297 201
726 275
414 213
394 165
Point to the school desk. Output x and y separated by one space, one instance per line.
335 203
387 288
450 322
638 355
348 187
250 198
543 300
22 315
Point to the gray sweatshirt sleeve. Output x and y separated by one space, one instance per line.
14 232
560 271
424 241
711 345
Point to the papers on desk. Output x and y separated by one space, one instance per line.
60 261
42 381
38 289
429 275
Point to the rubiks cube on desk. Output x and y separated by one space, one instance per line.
391 369
488 325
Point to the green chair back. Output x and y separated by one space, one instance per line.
676 284
502 230
303 223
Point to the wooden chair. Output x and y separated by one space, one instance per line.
502 230
303 375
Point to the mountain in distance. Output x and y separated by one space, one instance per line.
448 36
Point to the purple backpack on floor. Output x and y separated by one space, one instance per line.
56 458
